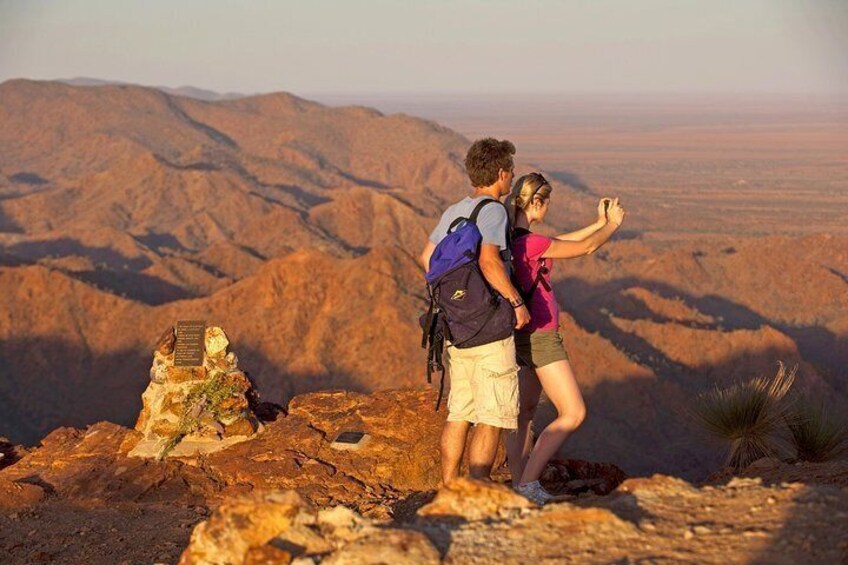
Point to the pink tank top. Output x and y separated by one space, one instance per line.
528 263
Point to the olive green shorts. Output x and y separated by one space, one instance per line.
538 349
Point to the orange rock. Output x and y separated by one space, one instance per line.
165 343
242 524
92 464
185 374
165 428
143 419
473 500
173 403
241 427
15 495
387 545
568 519
660 484
234 404
267 555
238 380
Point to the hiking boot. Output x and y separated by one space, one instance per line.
534 493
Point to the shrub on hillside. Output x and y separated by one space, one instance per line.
749 416
814 435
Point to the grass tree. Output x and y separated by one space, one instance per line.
748 416
814 435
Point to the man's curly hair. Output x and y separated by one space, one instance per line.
486 158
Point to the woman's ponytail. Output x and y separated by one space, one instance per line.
522 193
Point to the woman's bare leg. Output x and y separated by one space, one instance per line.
558 381
518 442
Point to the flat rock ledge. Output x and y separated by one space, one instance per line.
659 519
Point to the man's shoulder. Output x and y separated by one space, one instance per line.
455 210
493 208
489 215
493 213
459 206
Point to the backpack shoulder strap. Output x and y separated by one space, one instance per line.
473 217
539 279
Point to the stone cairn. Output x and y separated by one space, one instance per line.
194 410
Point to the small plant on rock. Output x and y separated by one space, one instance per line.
748 416
814 435
218 398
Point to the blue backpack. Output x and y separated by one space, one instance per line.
464 309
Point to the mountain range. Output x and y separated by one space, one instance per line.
296 227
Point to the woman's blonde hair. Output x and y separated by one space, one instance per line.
525 189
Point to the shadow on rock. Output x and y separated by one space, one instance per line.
49 383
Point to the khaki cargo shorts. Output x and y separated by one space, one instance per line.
484 384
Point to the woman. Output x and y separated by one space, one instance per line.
541 356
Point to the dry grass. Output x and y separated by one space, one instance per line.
749 416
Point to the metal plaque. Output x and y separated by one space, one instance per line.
350 440
189 348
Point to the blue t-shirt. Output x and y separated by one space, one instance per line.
492 223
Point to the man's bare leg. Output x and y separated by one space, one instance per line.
482 450
453 439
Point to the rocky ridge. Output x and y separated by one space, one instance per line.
285 492
287 496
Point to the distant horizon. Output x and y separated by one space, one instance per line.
841 95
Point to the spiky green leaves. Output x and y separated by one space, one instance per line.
748 416
814 435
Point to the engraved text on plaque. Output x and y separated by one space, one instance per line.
189 349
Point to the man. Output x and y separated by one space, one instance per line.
484 379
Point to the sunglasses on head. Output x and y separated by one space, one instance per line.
542 180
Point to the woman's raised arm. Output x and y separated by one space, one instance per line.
566 249
583 233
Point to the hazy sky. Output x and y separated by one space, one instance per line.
493 46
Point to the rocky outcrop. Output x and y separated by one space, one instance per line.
656 519
468 499
279 526
287 494
15 495
293 452
244 525
198 409
9 453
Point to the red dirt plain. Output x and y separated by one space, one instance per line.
685 166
